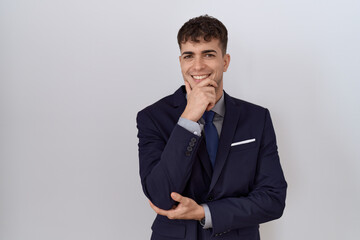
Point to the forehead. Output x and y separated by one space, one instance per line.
213 44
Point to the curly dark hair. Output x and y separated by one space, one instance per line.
206 27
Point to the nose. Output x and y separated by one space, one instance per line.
198 64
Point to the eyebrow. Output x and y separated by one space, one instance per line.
205 51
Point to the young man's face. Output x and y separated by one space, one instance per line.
203 60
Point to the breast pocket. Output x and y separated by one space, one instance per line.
243 144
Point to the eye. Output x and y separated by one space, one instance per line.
208 55
187 56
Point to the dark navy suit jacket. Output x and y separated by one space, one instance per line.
246 187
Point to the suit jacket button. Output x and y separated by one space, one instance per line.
187 153
189 149
191 144
210 198
193 139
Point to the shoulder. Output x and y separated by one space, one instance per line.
245 106
165 106
163 102
248 113
251 115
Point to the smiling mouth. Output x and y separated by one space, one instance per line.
200 77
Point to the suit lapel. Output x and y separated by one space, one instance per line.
231 119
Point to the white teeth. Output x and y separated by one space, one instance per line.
200 77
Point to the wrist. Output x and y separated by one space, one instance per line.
201 214
189 116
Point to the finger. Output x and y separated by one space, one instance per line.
207 82
177 197
210 94
187 87
158 210
210 89
212 102
212 76
155 208
210 106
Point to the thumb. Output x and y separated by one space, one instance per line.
187 87
177 197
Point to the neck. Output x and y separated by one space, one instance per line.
219 91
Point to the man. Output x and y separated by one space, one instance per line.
208 162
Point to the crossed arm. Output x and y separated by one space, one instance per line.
186 209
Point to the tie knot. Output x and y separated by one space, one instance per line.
208 116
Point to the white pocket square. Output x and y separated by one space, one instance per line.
243 142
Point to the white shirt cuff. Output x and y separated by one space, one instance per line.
189 125
208 221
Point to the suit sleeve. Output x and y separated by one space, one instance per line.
265 201
165 164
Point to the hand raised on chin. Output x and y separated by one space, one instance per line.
186 209
201 98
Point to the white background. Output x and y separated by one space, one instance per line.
74 73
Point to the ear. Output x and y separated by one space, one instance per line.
226 61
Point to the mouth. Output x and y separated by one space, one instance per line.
198 78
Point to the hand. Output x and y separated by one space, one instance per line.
187 209
200 98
